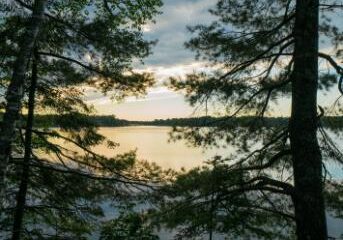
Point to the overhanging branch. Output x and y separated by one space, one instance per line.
336 66
249 62
72 60
270 163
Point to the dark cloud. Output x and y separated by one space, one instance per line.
170 30
171 33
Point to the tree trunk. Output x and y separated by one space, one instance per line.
306 155
24 180
15 90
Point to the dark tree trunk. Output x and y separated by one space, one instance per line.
307 159
15 90
24 181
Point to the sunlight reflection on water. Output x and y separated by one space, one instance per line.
152 144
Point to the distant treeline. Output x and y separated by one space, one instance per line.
243 121
112 121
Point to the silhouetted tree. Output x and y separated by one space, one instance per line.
80 44
262 50
15 89
100 37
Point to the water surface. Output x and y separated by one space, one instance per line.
153 144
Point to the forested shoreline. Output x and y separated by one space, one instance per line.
244 121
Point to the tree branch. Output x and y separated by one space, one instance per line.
329 6
333 63
273 160
338 69
88 67
256 58
56 19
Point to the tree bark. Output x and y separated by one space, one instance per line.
15 90
306 154
24 180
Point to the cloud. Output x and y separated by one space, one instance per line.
154 94
163 72
160 102
171 33
171 58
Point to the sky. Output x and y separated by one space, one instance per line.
171 59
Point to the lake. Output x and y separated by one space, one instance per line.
152 144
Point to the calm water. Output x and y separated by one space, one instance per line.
152 144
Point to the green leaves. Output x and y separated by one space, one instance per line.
128 225
89 43
250 49
215 199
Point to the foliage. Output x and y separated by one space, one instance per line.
250 46
82 44
129 225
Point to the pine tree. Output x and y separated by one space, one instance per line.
80 44
107 33
15 89
262 51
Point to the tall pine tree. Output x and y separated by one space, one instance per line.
80 44
262 51
100 37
